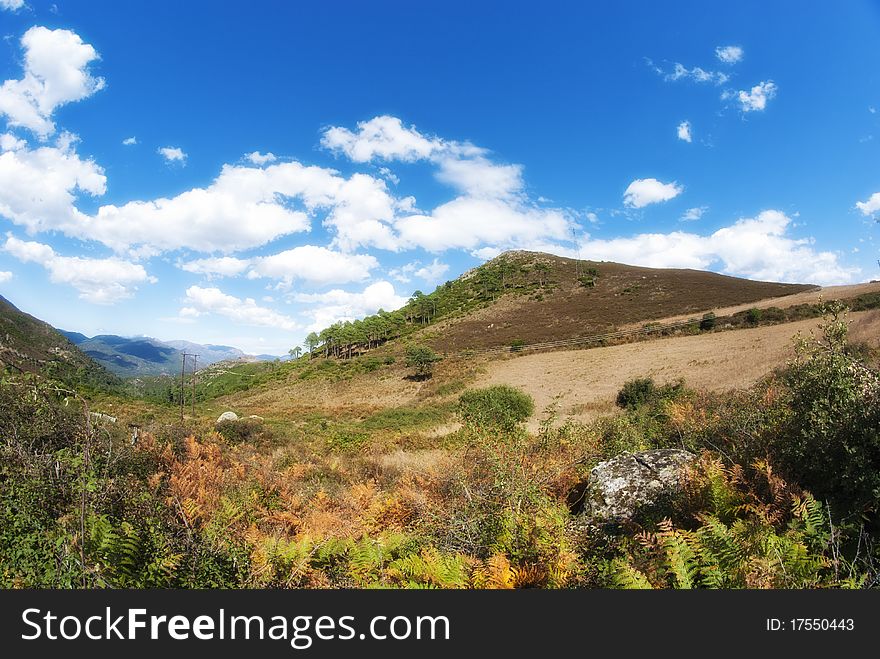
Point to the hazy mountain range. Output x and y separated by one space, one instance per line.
141 355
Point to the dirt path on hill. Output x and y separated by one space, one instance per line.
587 381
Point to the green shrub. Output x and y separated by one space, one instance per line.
754 316
708 322
422 359
499 406
516 345
635 392
642 391
240 430
827 431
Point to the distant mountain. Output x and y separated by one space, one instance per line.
136 356
209 353
28 344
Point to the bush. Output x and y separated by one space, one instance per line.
516 345
643 391
635 392
422 358
827 434
240 430
708 322
500 406
754 316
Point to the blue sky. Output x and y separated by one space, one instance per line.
292 165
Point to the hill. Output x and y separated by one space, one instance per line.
549 298
30 345
532 297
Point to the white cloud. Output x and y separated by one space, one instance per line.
102 281
696 74
5 276
172 154
130 141
758 248
244 207
693 214
261 158
871 206
223 266
11 5
684 131
200 301
755 99
381 137
9 142
645 191
480 177
469 223
729 54
38 187
337 304
431 273
317 265
55 73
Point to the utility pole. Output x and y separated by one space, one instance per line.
182 390
195 368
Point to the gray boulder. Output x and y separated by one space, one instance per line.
227 416
619 487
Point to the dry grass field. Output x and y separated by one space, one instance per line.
585 382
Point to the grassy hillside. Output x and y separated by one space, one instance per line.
31 346
548 298
533 297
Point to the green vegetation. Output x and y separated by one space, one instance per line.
361 498
510 273
642 391
500 407
422 359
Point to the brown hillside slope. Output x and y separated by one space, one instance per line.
587 381
564 308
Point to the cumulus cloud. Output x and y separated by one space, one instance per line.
684 131
56 72
317 265
693 214
729 54
754 99
644 191
261 158
201 301
871 205
382 137
5 276
308 263
469 223
11 5
102 281
38 187
756 248
130 141
172 154
337 305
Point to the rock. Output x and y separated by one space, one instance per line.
227 416
619 487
